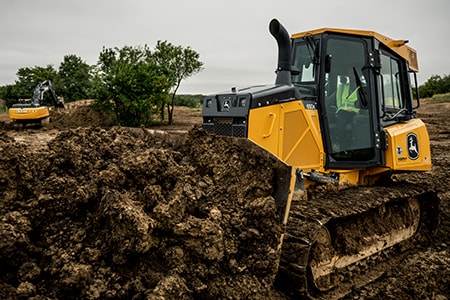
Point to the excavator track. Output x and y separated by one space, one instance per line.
338 240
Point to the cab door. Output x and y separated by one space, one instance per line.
351 134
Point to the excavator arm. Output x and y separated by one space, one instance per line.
39 91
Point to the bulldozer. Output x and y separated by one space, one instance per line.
35 112
341 121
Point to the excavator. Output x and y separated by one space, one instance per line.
35 112
341 121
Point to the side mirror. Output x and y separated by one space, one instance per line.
328 63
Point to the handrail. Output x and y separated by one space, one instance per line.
271 126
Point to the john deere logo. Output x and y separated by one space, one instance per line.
413 146
226 104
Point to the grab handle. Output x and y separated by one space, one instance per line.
273 116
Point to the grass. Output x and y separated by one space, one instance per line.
441 97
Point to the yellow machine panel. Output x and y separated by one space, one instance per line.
264 128
290 132
28 113
409 147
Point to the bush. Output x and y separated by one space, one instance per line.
192 101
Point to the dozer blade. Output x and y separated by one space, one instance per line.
343 239
284 177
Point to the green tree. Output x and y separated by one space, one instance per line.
8 94
192 101
130 83
74 79
180 63
435 85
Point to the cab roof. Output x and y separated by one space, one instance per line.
398 46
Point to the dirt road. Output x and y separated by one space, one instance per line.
93 212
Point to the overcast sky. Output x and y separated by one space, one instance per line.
231 36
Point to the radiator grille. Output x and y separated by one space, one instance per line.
226 127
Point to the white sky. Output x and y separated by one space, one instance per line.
231 36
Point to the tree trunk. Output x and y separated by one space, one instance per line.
171 106
161 113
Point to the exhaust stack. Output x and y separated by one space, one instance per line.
284 52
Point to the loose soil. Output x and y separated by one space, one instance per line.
92 211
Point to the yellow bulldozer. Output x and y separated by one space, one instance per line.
341 115
35 112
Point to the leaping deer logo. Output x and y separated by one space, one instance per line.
413 148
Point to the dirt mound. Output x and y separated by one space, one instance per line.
76 114
81 115
141 216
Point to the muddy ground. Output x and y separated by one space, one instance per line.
90 211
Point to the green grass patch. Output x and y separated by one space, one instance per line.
441 97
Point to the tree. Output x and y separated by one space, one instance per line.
130 84
435 85
74 79
192 101
8 93
180 63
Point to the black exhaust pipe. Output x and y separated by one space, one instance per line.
284 52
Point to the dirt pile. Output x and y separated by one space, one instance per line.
122 214
78 114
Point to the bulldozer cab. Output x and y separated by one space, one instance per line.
360 86
341 106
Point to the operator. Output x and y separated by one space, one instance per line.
345 99
346 109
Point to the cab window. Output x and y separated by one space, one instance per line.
303 62
390 85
